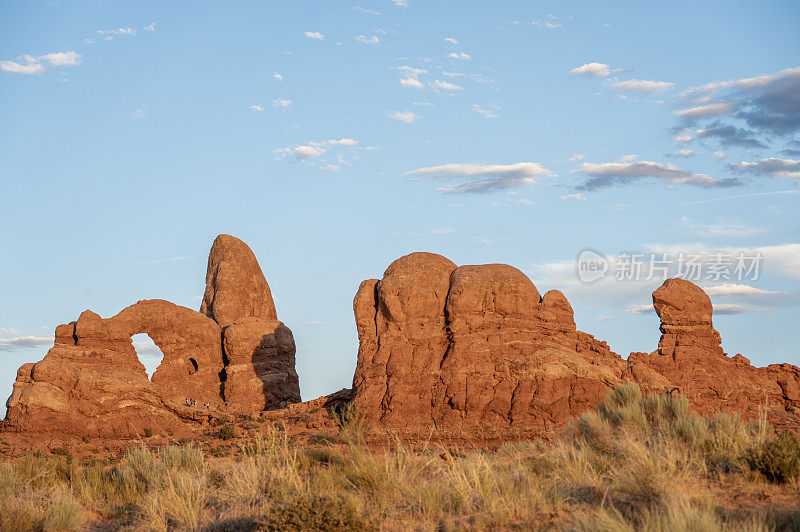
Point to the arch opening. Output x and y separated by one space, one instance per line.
148 352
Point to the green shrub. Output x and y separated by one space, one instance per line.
778 458
226 432
313 512
148 432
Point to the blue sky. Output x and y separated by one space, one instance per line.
334 137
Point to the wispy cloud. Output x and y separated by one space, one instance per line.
481 178
160 261
404 116
282 103
316 151
445 85
366 11
450 40
705 111
729 135
604 175
772 167
368 39
314 35
22 342
767 103
720 229
459 55
733 289
483 111
641 85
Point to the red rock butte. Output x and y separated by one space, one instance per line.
470 352
476 352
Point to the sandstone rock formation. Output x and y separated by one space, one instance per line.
476 351
691 360
472 348
92 383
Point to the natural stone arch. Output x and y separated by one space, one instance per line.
193 363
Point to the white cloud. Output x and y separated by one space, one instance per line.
642 85
452 74
593 70
682 139
480 178
411 78
400 3
404 116
277 77
705 111
372 39
314 150
29 68
282 102
256 108
451 40
411 82
445 85
31 65
733 289
342 142
150 27
315 35
8 330
685 152
308 152
719 154
483 111
62 58
139 113
21 342
459 55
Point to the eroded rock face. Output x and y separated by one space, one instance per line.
473 349
260 373
235 285
234 357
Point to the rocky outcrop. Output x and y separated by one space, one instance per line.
690 360
475 351
472 349
91 383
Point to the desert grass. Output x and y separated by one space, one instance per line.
635 463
